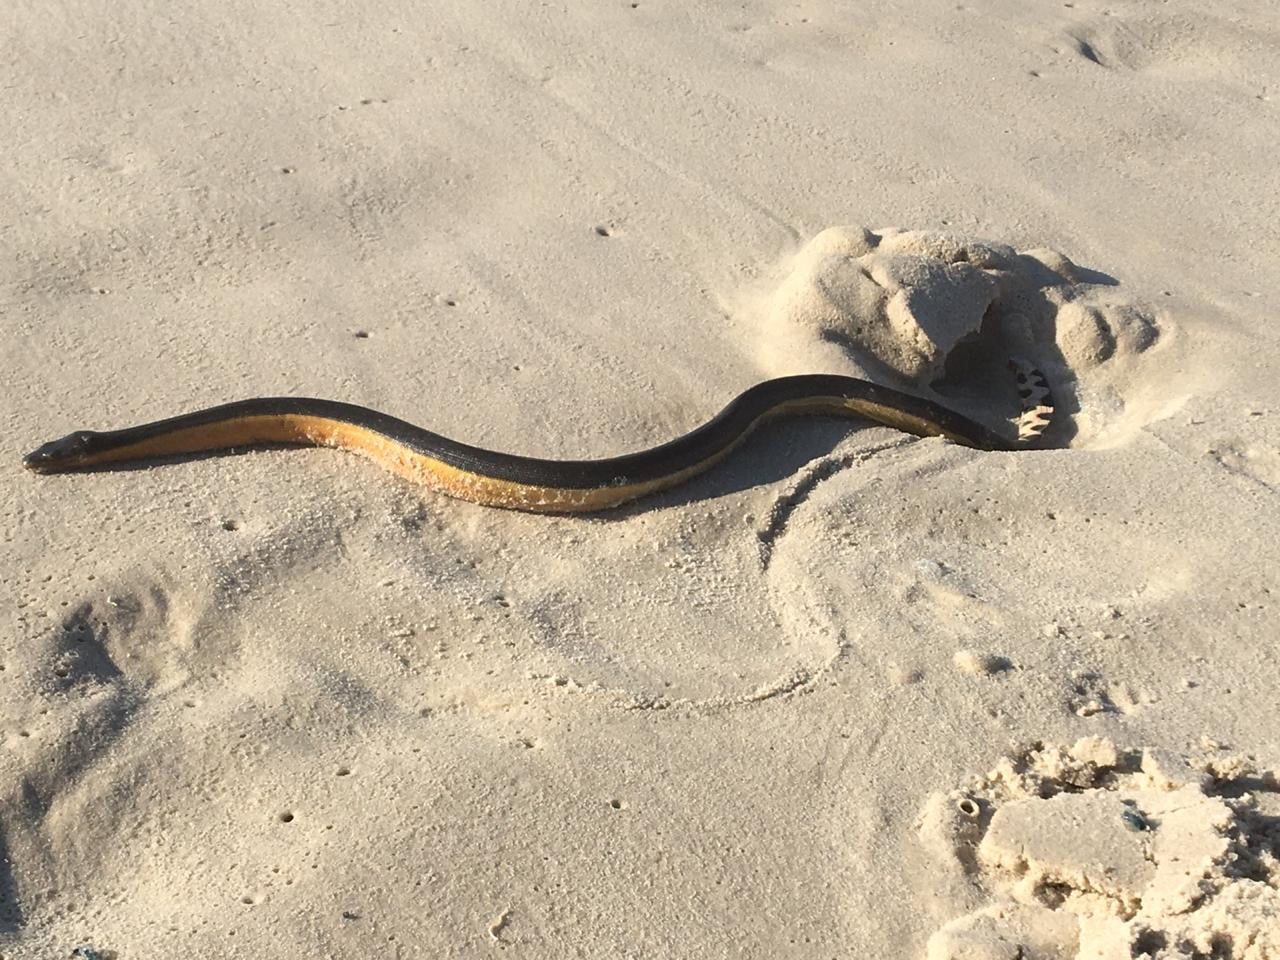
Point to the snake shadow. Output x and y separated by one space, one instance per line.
771 454
11 917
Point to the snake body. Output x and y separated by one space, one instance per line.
505 480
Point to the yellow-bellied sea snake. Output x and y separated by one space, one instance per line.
527 483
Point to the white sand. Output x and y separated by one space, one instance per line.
283 704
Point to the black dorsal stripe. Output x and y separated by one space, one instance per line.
677 455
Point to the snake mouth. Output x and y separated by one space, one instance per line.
42 460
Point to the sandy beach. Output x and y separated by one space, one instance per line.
851 692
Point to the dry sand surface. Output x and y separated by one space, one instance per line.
853 694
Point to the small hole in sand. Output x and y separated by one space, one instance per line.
451 302
288 169
968 807
1149 943
616 804
362 334
344 771
1133 820
602 231
230 525
286 817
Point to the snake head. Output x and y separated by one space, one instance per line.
65 453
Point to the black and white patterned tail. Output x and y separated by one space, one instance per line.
1035 399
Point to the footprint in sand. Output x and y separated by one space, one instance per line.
1249 454
125 637
1088 851
1153 40
943 314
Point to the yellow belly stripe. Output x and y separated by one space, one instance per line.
479 488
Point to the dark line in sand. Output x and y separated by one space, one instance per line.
812 474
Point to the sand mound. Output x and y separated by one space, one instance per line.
1091 852
935 310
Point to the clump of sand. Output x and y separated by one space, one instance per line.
936 310
1092 852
